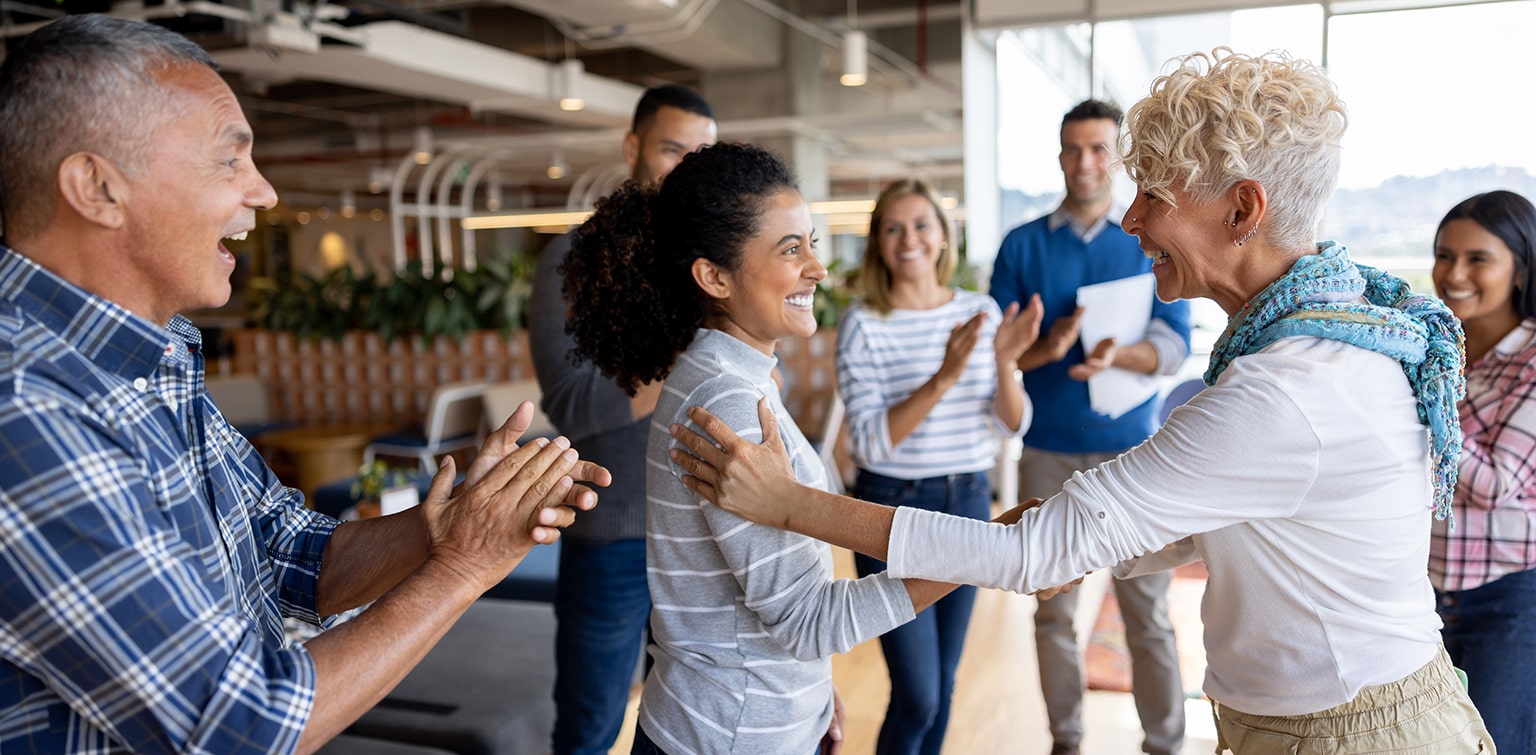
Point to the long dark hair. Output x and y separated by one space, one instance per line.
1512 218
629 283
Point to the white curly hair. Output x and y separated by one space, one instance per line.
1225 117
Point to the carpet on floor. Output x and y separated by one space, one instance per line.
1108 661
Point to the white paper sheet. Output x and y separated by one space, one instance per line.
1119 309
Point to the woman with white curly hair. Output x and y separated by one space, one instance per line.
1305 474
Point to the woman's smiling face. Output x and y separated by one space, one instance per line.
771 292
1190 250
911 238
1474 272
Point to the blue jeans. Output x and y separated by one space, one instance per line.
1490 633
602 605
922 655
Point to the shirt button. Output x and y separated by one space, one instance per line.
141 384
1101 515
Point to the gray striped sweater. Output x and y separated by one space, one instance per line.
745 618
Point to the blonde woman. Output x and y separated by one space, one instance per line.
926 371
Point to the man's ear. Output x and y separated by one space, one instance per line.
94 188
631 150
714 281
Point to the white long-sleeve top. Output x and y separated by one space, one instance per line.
1303 476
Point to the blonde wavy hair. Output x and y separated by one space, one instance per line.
874 283
1225 117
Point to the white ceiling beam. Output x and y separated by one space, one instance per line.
408 60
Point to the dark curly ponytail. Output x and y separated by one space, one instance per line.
629 275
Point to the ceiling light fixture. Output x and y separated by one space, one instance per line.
855 60
528 219
348 203
421 148
568 84
855 52
379 176
557 167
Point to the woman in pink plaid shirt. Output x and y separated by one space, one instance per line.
1485 568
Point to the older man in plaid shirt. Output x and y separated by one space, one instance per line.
149 556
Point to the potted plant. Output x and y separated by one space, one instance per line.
381 489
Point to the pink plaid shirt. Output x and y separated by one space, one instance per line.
1495 504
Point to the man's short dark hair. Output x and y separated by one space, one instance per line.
1092 110
670 95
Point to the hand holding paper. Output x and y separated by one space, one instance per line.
1117 311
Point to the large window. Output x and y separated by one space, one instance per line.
1439 110
1437 102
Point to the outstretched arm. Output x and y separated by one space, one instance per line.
763 473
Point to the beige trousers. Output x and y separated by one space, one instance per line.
1427 713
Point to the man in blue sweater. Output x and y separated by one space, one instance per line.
1080 244
602 602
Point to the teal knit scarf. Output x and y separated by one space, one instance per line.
1318 298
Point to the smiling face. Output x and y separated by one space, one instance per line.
1086 149
770 293
911 237
663 141
1475 274
1192 255
196 186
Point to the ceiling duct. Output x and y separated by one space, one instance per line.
408 60
714 35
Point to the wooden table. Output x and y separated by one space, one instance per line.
323 453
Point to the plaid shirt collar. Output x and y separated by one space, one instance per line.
113 338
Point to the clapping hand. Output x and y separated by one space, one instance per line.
1018 331
1101 358
962 341
504 441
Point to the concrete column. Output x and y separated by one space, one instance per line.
983 197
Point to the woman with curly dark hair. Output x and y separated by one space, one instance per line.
695 281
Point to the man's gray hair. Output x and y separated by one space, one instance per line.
82 83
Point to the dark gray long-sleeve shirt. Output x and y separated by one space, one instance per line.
587 408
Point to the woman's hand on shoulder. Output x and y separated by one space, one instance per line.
754 481
1018 331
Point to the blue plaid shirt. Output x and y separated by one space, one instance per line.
148 553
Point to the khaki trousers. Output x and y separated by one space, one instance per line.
1426 713
1155 683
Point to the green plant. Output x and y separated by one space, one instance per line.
834 294
311 307
448 303
375 477
506 282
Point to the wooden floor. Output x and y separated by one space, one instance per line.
997 708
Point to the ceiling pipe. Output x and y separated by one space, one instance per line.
835 41
176 9
676 28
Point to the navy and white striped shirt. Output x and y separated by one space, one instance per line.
149 554
881 360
